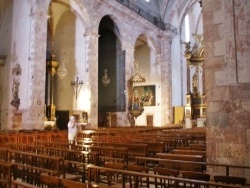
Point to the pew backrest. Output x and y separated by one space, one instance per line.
31 162
5 173
190 152
181 166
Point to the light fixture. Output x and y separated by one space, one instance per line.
105 78
62 71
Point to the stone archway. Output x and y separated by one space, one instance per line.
111 73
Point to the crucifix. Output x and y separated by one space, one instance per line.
77 84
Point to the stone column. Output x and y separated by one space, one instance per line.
91 71
166 77
203 80
129 71
227 83
37 65
2 62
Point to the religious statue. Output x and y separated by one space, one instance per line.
15 89
188 47
16 70
195 83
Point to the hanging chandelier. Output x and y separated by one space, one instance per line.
105 78
62 71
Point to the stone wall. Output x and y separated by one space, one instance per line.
28 43
227 55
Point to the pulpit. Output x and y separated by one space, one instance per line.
136 106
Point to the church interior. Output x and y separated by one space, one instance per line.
147 78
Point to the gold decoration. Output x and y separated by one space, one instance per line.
195 105
136 108
137 77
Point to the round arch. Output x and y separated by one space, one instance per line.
111 71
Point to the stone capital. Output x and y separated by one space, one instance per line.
168 34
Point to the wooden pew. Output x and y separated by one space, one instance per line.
26 148
228 167
93 172
107 153
30 136
4 154
20 184
190 152
75 161
133 149
29 166
235 180
6 169
53 144
153 146
181 166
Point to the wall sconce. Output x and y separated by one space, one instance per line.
105 78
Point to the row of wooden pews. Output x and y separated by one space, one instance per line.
157 141
153 158
31 136
184 150
6 169
28 166
117 176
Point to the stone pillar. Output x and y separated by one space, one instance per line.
2 62
166 79
30 114
226 34
92 76
203 80
129 71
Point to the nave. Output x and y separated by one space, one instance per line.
113 157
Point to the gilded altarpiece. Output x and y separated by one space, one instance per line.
195 108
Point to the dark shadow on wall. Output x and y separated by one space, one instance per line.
111 97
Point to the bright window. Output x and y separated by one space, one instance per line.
187 29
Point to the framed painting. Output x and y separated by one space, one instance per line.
145 94
84 118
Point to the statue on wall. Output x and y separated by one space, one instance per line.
16 72
195 83
188 47
15 89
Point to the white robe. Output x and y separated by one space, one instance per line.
72 131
